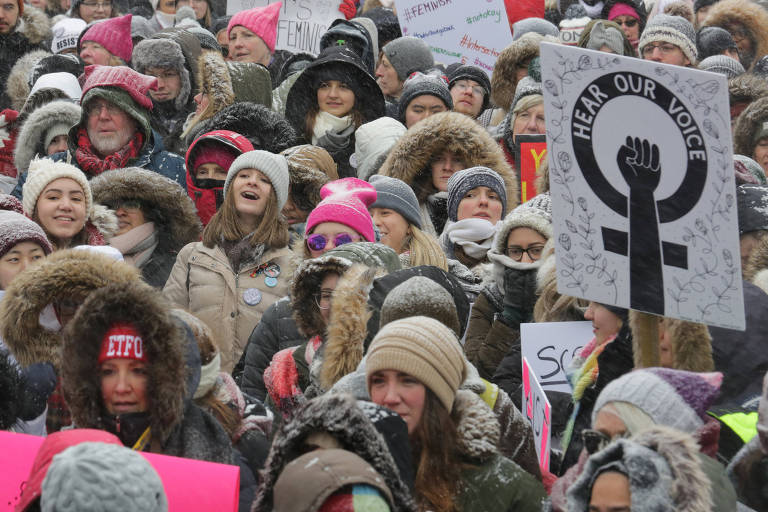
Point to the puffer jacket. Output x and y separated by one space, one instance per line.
203 282
29 35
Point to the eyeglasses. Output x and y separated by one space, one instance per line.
318 242
516 252
629 22
463 85
665 48
323 299
94 108
97 5
126 204
164 75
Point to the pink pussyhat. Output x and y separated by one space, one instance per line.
345 201
114 34
262 21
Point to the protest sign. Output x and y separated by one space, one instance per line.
538 412
301 23
190 485
530 152
465 31
643 188
550 347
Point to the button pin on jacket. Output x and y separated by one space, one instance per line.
252 296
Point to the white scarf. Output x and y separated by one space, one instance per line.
475 236
164 19
208 374
325 122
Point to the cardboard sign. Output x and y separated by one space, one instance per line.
190 485
530 152
465 31
643 188
301 23
550 347
538 412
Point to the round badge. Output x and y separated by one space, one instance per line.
270 281
272 271
252 296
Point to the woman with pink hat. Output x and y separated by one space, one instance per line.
253 34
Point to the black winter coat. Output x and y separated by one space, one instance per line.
12 47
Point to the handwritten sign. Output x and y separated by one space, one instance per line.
190 485
550 347
302 22
465 31
538 412
530 152
640 164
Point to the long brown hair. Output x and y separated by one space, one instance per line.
272 228
434 442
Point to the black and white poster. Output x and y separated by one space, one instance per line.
642 183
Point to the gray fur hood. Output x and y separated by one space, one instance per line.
17 86
30 141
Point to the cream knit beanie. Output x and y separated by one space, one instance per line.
41 172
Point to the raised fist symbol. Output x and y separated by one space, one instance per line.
639 163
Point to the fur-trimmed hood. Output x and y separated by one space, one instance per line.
746 88
68 273
173 211
751 15
756 269
309 167
690 342
212 79
748 125
411 156
17 87
36 26
164 340
306 283
503 81
478 428
30 141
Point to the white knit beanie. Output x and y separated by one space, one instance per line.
274 167
41 172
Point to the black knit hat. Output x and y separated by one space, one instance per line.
386 23
67 63
419 84
713 41
472 73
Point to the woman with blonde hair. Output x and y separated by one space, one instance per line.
215 92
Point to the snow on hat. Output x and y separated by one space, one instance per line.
573 23
121 77
396 195
752 208
465 180
166 53
535 214
407 55
63 81
713 41
722 64
273 166
114 34
674 398
16 228
419 84
122 341
345 201
423 348
525 87
66 33
80 474
748 171
675 30
538 25
41 172
262 21
11 204
420 296
373 141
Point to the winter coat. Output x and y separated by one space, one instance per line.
410 159
30 33
30 140
168 206
518 53
251 83
63 274
748 124
203 282
750 15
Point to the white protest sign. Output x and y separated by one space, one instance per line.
538 412
301 23
465 31
642 183
550 347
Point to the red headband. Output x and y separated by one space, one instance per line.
122 341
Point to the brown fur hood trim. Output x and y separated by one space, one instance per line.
37 25
753 16
410 158
344 342
310 167
141 305
214 77
756 269
306 283
173 211
748 124
68 273
478 428
503 81
17 86
691 343
746 87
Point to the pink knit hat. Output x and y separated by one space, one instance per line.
262 21
132 82
345 201
114 34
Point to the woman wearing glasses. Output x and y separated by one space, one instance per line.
242 264
628 14
509 293
90 10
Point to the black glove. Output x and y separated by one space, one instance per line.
39 382
519 295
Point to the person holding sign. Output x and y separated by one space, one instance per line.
414 367
253 34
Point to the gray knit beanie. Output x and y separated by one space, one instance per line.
408 54
102 477
396 195
724 65
275 167
420 296
465 180
525 87
537 25
419 84
713 41
604 35
670 29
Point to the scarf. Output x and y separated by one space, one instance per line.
92 165
164 19
136 245
208 374
475 236
325 122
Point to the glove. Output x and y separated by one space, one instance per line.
40 381
519 295
348 9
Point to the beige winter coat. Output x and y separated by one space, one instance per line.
202 281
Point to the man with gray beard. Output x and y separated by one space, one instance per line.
114 130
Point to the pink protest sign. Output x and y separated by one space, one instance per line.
538 412
190 485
